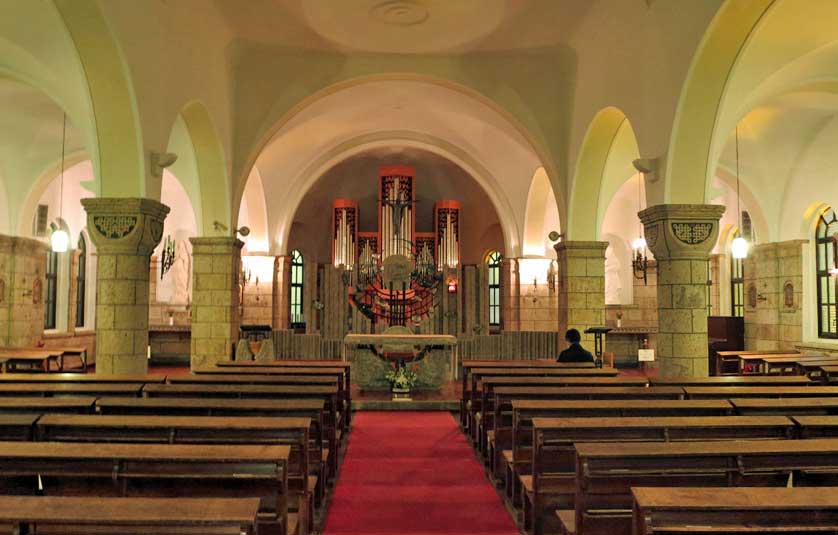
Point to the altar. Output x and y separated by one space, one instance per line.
433 356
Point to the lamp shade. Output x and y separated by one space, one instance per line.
59 241
739 248
638 243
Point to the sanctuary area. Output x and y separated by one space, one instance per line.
291 267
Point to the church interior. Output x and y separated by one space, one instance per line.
292 267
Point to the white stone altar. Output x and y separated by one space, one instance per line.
435 355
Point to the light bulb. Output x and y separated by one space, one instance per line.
739 248
638 243
59 241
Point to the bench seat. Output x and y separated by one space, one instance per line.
567 521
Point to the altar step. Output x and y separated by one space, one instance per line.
413 405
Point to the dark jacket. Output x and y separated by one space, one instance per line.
576 353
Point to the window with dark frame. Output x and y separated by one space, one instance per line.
493 261
297 278
81 282
51 294
827 283
737 286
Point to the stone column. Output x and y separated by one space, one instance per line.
125 231
681 237
581 288
22 290
281 298
216 265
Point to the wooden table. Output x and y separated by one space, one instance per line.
70 389
727 392
32 359
79 378
130 516
730 381
31 404
724 358
789 406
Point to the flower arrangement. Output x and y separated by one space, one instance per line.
401 376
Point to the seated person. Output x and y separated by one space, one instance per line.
575 353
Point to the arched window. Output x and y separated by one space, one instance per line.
737 285
51 293
297 277
826 235
493 261
81 281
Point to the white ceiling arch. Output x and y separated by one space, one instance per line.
448 121
281 218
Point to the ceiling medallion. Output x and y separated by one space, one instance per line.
400 12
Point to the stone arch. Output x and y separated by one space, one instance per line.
281 228
274 123
610 132
253 213
211 168
40 186
117 148
542 216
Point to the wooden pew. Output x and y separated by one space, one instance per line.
553 460
152 470
73 515
76 378
727 392
755 363
797 365
790 406
730 363
830 373
17 426
817 426
499 439
730 381
30 359
71 389
696 510
29 404
467 365
255 379
341 373
482 412
605 472
306 468
813 369
524 411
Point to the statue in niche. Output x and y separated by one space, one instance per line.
180 275
788 294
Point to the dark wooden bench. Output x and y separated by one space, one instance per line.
817 426
727 392
731 363
18 426
73 515
255 379
70 389
30 404
307 468
714 511
499 439
732 381
152 470
76 378
790 406
468 365
605 472
483 411
519 463
830 373
553 461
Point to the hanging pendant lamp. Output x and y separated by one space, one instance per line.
59 239
739 246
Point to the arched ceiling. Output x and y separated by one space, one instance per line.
405 26
398 113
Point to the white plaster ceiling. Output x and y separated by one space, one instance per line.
398 113
405 26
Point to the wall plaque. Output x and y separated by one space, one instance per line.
752 295
37 287
788 294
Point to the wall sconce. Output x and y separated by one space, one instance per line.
167 259
532 293
639 263
452 286
551 278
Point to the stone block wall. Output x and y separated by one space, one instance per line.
581 286
215 299
257 308
22 290
538 308
771 323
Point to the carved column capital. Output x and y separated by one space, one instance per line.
681 231
132 226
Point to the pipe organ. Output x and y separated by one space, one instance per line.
447 225
396 208
344 232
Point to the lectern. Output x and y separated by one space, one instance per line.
598 333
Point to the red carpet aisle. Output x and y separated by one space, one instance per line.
413 473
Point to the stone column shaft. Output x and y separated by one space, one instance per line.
581 288
216 266
125 231
681 237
